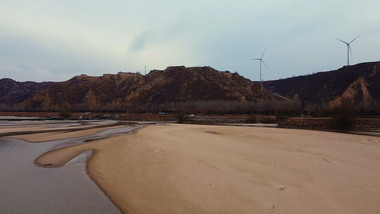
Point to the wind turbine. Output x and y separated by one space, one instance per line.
261 60
348 48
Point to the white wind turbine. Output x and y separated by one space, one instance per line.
261 60
348 48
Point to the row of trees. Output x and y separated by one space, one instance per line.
222 107
324 110
282 109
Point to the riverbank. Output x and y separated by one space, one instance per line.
28 188
221 169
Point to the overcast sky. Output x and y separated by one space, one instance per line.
51 40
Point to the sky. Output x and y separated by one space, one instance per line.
54 40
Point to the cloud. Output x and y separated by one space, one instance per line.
106 37
28 73
22 56
142 40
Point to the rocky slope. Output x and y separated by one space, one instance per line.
131 90
356 85
12 92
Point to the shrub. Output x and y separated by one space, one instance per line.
343 116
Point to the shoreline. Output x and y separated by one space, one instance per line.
28 188
87 170
66 137
98 184
169 168
177 158
66 129
63 161
87 162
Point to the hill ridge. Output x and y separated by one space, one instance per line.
122 91
356 85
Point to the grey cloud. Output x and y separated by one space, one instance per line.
147 37
141 41
21 56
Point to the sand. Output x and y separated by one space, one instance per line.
27 188
39 126
220 169
51 136
51 126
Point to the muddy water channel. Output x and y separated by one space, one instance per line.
28 188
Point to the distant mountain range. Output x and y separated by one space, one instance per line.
13 93
132 91
358 85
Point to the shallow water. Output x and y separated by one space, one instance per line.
27 188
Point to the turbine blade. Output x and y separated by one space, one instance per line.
342 41
354 39
264 63
255 59
263 54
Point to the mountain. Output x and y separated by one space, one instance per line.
356 85
12 92
135 91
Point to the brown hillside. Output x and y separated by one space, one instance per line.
130 90
357 92
12 92
357 85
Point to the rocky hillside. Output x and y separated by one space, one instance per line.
357 85
130 90
12 92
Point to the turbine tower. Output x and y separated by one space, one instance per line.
348 48
261 60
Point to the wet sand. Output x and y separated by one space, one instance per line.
51 136
30 126
27 188
219 169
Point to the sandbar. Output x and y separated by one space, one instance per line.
222 169
63 134
27 188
